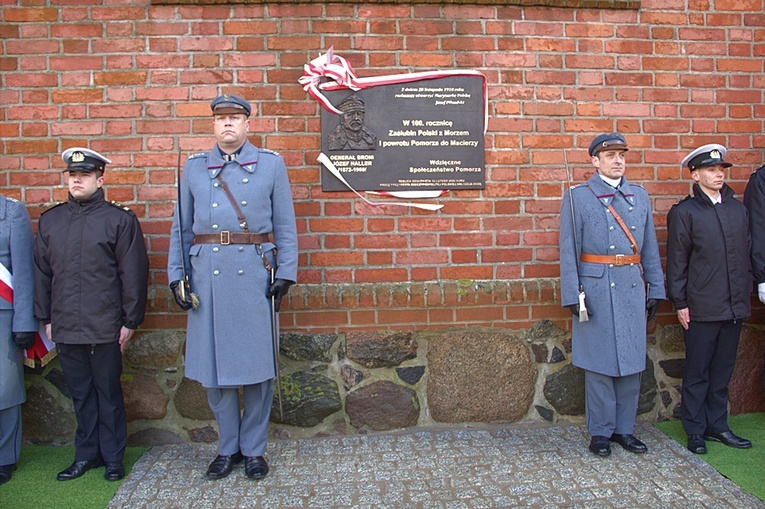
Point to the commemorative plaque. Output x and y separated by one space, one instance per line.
409 136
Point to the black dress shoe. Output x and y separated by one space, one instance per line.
255 467
6 471
114 471
78 468
629 442
221 466
729 439
599 445
696 444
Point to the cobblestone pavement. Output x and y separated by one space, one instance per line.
545 466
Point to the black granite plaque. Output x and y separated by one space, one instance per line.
422 135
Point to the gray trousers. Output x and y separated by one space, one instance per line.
611 403
246 432
10 435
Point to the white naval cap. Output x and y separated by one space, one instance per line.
708 155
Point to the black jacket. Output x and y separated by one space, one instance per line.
91 271
708 266
754 199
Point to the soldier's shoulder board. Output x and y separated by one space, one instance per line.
121 207
268 151
12 200
198 155
54 206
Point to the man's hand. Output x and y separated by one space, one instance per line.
24 340
278 289
125 335
184 304
575 310
684 317
651 305
48 329
761 292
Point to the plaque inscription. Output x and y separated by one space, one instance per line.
421 135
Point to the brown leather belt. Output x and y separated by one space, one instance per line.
620 259
225 238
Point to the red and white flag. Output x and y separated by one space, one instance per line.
43 349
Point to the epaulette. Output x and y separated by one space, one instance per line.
14 200
120 206
268 151
200 154
54 206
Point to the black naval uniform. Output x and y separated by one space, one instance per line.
91 276
709 272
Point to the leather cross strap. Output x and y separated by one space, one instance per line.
619 220
225 238
619 259
616 260
234 204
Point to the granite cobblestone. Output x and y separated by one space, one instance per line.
491 466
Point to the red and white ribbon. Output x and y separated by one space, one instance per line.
340 74
323 159
43 348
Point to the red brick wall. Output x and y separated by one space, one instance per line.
134 81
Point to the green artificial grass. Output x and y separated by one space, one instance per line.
34 484
745 467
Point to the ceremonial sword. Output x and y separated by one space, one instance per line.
185 287
275 336
583 316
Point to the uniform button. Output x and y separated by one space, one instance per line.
241 272
630 209
611 247
216 184
214 205
215 227
216 249
611 265
633 227
244 181
634 285
216 272
241 249
613 284
244 203
611 228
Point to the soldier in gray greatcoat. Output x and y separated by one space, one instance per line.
17 325
620 275
235 210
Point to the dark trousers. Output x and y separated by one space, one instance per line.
93 375
710 355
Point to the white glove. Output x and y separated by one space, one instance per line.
761 292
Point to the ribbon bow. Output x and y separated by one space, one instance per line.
329 66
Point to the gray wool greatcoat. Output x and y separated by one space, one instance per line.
228 337
16 252
613 341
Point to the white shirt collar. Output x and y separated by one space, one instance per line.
611 182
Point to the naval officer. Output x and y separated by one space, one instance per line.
608 250
709 281
91 279
235 212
